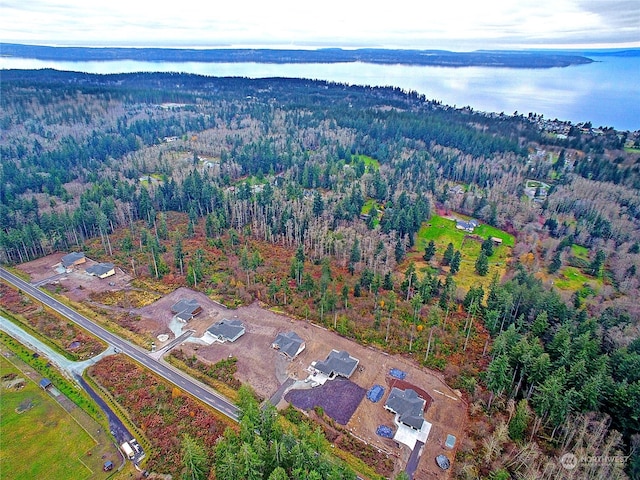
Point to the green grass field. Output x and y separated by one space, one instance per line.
42 442
579 251
369 162
572 279
443 231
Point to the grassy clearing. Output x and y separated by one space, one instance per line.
579 251
487 231
443 231
42 442
573 280
370 163
368 205
44 368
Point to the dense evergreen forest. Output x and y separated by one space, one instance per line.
168 175
509 59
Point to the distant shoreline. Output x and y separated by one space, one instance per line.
442 58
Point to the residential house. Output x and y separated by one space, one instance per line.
186 309
407 406
467 226
102 270
289 344
73 259
226 330
337 363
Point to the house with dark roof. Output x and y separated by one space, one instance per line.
186 309
101 270
407 406
226 330
289 344
72 259
337 363
467 226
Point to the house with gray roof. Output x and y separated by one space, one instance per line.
226 330
101 270
289 344
467 226
337 363
186 309
407 406
72 259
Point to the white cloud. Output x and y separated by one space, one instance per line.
454 24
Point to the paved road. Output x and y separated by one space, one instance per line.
180 379
412 464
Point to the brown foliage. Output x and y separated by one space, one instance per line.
161 414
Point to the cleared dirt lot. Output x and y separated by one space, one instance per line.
77 285
265 369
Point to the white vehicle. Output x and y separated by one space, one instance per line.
128 451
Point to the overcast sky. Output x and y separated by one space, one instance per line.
420 24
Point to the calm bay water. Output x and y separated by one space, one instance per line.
606 93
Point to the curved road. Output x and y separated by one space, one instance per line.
181 380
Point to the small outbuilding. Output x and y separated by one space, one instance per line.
45 383
73 259
226 330
102 270
108 466
186 309
289 344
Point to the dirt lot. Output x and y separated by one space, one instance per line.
265 369
76 285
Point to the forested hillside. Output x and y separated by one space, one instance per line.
339 204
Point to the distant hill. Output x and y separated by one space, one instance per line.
509 59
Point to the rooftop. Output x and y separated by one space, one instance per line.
187 306
227 329
71 258
338 363
289 343
408 406
100 269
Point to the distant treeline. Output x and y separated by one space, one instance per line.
510 59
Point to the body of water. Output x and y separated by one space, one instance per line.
605 93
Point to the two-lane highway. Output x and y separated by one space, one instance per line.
174 376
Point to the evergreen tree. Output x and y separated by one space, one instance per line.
448 254
387 283
455 262
596 264
519 421
487 247
482 264
194 459
429 251
556 262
